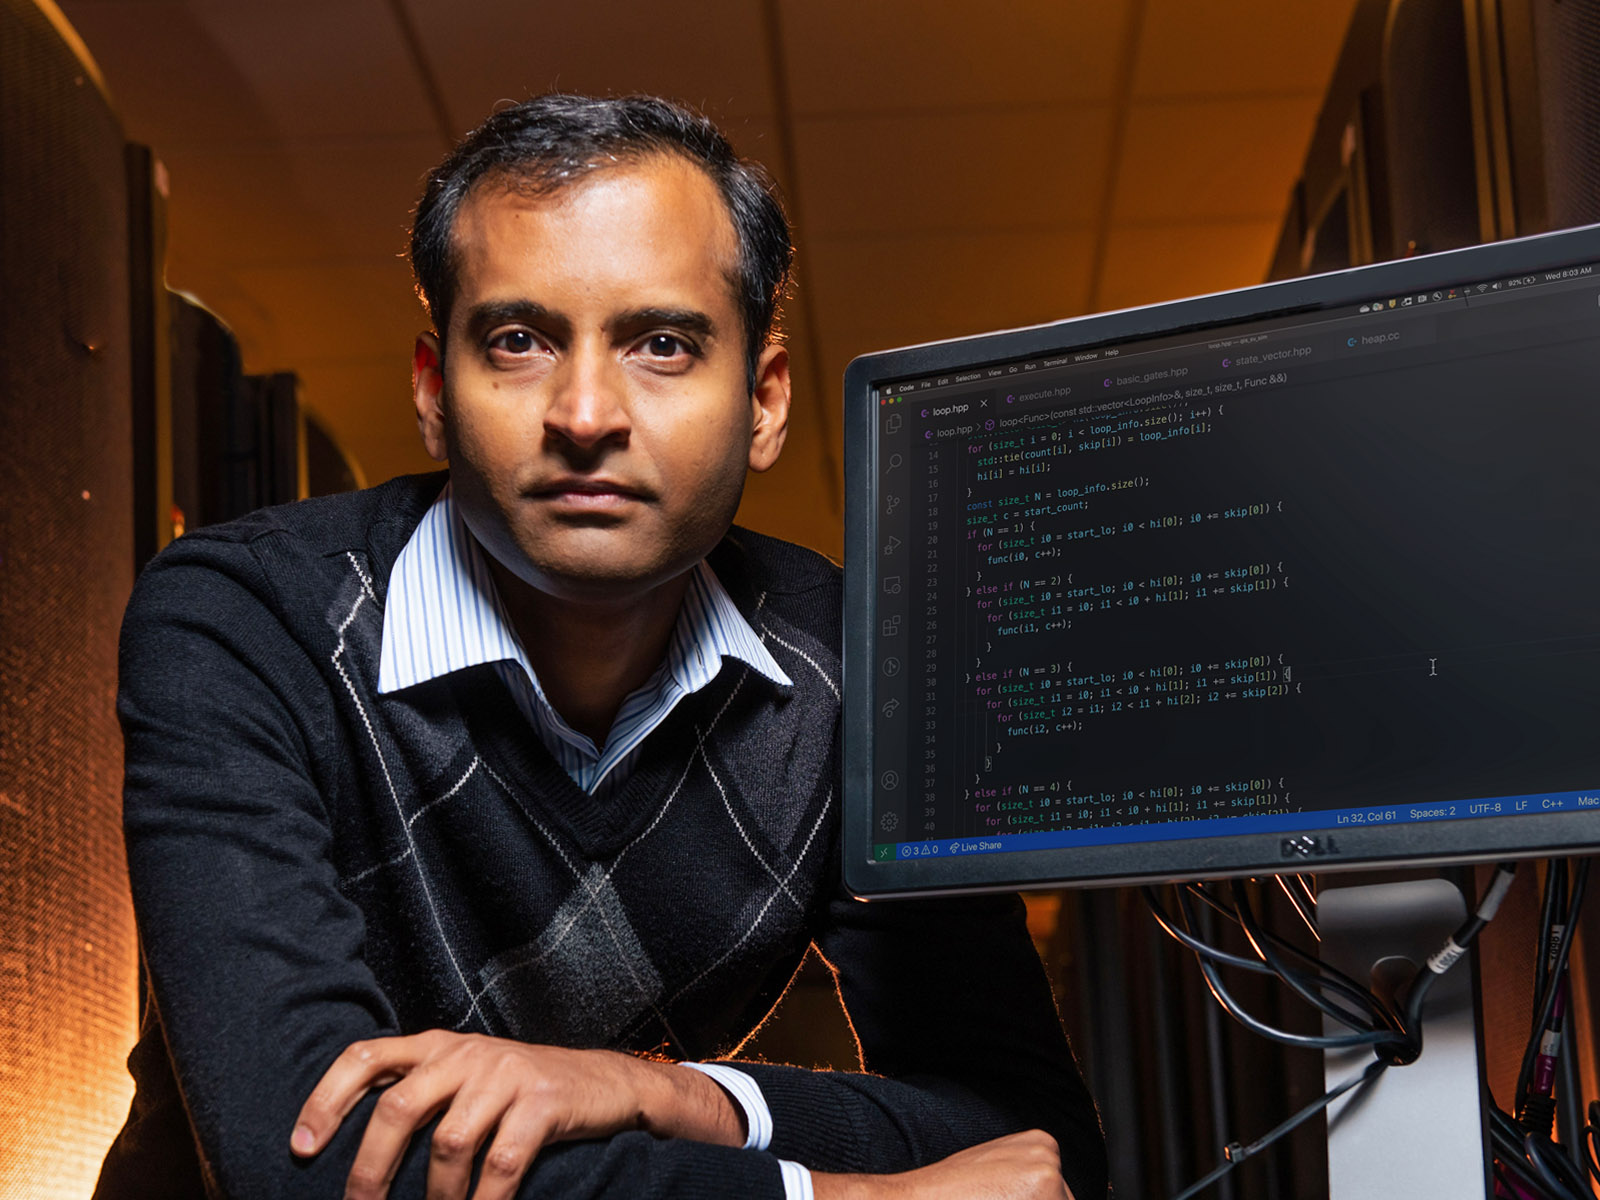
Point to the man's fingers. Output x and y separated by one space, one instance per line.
399 1113
361 1067
471 1117
502 1101
523 1132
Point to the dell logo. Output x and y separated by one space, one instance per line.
1306 846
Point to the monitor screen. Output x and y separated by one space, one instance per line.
1290 578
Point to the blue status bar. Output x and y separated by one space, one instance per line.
1328 818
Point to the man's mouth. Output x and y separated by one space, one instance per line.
588 494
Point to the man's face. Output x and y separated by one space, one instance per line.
593 402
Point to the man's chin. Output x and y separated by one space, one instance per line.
602 577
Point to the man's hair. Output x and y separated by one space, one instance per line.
544 144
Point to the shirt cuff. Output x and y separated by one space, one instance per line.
746 1093
796 1181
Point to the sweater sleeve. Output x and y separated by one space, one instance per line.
959 1038
253 953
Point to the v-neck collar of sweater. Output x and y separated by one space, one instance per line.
547 794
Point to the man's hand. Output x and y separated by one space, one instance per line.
1022 1166
526 1096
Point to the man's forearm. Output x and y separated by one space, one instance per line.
681 1103
1021 1166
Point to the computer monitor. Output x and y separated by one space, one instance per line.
1296 577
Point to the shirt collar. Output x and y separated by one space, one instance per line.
443 614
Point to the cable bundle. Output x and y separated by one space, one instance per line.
1529 1165
1395 1035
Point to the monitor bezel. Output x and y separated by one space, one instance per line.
1426 842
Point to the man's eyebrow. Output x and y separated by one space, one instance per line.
689 320
485 316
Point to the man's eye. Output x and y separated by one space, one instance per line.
514 341
666 345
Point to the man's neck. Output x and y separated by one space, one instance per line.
590 657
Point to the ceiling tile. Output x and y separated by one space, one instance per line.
1145 265
890 55
710 54
872 294
1220 47
1216 158
332 70
1037 167
255 72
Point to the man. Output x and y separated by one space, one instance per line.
460 814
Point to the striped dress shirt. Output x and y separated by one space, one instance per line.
443 614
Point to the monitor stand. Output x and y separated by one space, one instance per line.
1417 1130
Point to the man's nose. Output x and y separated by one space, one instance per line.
588 406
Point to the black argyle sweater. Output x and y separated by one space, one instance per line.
313 864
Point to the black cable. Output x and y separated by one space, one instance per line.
1509 1160
1505 1139
1552 1167
1184 937
1234 1153
1547 998
1545 954
1543 1168
1287 947
1333 978
1299 982
1164 919
1454 947
1235 1010
1536 1107
1308 1041
1591 1138
1339 982
1571 1174
1555 883
1535 1110
1522 1177
1399 1041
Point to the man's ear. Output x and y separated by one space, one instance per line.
427 392
769 404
